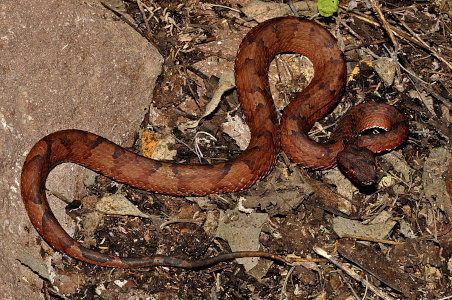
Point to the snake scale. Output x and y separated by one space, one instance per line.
268 135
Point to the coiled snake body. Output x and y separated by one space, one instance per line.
254 56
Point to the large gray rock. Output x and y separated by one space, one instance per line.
63 64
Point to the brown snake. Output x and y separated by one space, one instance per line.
253 59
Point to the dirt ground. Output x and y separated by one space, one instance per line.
396 236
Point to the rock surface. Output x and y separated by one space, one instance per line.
63 64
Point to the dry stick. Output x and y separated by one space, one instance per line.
225 7
353 274
362 238
360 38
404 35
146 20
439 73
283 290
385 24
123 18
194 95
59 196
408 28
216 54
417 81
426 86
354 292
293 9
195 221
401 34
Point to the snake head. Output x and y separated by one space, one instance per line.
358 163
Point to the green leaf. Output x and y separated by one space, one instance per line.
327 7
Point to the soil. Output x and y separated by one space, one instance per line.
412 260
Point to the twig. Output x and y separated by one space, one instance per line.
217 54
408 28
283 289
183 143
293 9
59 196
385 24
196 221
122 17
401 34
417 81
362 41
195 96
146 20
225 7
354 292
439 73
353 274
362 238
